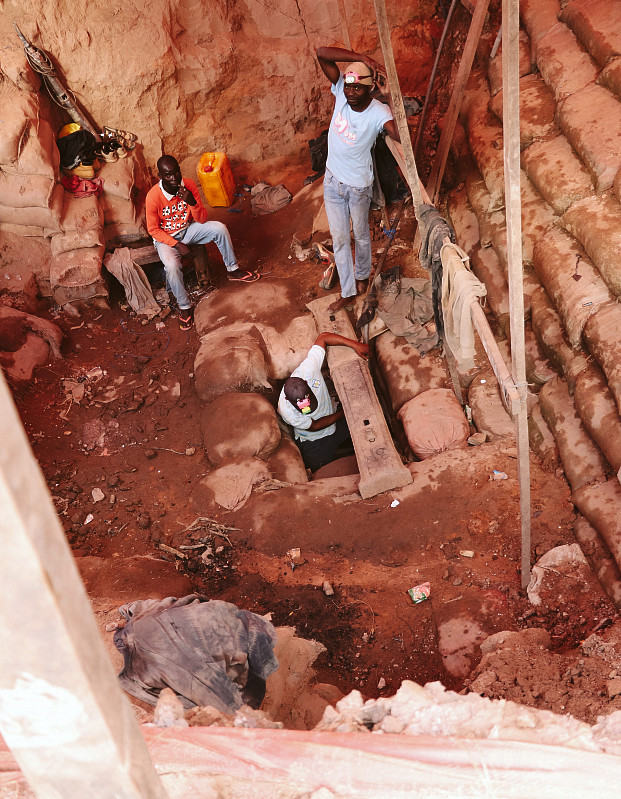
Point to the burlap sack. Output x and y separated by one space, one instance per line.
554 259
36 216
557 172
610 76
564 65
434 422
598 410
39 154
542 441
463 219
486 266
226 363
24 191
122 234
494 67
591 120
242 425
601 506
481 201
598 554
32 231
119 178
538 16
404 372
20 113
596 223
76 240
597 24
286 464
488 411
601 334
117 211
582 460
267 301
76 276
486 145
546 325
537 109
537 216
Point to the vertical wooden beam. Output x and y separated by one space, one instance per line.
465 65
62 711
513 206
398 109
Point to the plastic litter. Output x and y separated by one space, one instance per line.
420 592
496 475
394 503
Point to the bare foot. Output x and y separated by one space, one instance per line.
362 286
340 303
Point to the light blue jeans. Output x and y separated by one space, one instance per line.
343 203
195 233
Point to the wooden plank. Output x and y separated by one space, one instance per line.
465 65
513 210
398 109
64 715
379 463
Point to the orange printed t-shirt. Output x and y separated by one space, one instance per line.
167 214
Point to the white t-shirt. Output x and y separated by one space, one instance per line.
350 137
310 371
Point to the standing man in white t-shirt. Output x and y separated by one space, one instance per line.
347 187
304 403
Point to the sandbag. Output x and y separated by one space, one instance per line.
405 373
598 554
554 259
537 217
596 223
239 425
286 464
546 325
36 216
24 230
434 422
539 16
120 234
601 506
39 154
494 67
23 191
19 117
463 219
117 211
564 65
557 172
610 77
538 369
591 120
230 485
601 334
76 275
481 201
267 301
75 240
597 408
488 412
486 266
486 145
119 178
582 461
542 441
597 24
226 363
537 109
80 214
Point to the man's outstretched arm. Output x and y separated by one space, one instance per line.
328 56
332 339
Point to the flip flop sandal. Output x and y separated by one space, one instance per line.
185 320
246 277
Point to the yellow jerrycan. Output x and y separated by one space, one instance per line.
216 178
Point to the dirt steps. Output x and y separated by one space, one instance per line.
570 131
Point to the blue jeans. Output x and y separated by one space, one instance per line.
195 233
343 203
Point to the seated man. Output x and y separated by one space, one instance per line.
306 405
175 218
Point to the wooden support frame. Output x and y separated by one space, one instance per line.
62 711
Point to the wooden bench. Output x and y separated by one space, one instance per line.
147 254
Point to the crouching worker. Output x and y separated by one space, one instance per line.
176 218
304 403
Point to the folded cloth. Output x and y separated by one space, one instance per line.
133 279
459 289
82 187
267 199
205 650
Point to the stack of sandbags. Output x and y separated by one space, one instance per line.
77 252
123 221
30 197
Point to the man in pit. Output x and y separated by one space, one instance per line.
304 403
348 183
176 218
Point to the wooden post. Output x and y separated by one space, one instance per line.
511 136
62 711
465 65
398 108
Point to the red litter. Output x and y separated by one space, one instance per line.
420 592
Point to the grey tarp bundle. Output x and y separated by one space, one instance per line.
266 199
133 279
203 649
433 230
